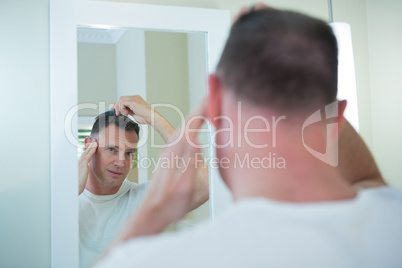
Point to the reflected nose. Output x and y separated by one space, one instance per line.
118 162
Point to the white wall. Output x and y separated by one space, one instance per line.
24 135
130 67
385 42
97 81
354 13
167 79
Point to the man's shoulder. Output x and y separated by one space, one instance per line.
388 193
385 197
137 186
137 190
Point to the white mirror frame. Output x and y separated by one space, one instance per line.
65 16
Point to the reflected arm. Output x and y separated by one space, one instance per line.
145 114
160 124
201 194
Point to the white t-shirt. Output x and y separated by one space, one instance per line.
362 232
102 216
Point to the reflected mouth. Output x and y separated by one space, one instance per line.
115 174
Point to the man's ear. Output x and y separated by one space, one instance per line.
341 110
87 141
214 99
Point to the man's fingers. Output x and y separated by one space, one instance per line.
122 106
241 12
125 109
89 152
93 147
116 107
260 6
247 9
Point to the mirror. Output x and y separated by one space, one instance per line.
168 69
65 17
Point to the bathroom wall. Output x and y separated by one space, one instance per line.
24 135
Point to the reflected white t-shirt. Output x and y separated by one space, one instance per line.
362 232
102 216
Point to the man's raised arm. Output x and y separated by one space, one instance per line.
143 113
356 163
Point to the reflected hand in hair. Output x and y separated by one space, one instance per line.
135 106
83 162
143 113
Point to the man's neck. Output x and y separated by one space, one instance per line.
295 189
286 170
304 179
98 188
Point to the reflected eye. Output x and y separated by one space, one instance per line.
111 149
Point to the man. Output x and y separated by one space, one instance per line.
106 198
310 212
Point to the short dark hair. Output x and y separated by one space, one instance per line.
281 59
109 117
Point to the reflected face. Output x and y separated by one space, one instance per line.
112 161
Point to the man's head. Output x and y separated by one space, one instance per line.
280 59
282 67
109 117
117 138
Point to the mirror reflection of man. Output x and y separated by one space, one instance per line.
106 198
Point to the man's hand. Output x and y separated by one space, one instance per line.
247 9
143 113
86 156
135 106
172 189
